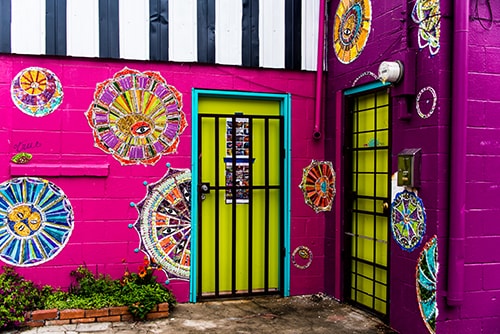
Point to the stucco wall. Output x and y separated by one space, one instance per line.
101 238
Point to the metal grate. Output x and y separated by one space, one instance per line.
368 187
240 206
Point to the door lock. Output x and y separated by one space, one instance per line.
205 188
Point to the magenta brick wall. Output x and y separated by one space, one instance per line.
101 238
388 42
480 311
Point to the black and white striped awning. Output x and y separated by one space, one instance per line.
257 33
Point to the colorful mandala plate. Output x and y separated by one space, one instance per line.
351 29
164 223
36 221
318 185
408 220
427 14
302 257
137 117
36 91
427 270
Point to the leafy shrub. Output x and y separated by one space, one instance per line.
139 291
18 296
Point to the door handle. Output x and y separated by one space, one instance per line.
205 188
386 207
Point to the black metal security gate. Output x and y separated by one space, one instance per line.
368 188
241 204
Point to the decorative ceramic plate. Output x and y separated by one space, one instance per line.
318 185
164 223
408 220
36 91
427 14
351 28
36 221
137 117
427 270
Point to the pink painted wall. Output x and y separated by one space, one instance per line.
101 190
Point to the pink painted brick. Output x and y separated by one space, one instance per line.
491 272
473 277
482 249
480 304
469 326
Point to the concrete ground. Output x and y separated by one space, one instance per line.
301 314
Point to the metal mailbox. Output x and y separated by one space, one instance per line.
409 167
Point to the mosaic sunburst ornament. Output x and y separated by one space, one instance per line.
351 29
427 14
426 105
408 220
36 221
302 257
36 91
318 185
137 117
427 271
21 158
164 223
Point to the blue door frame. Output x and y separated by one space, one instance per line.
285 111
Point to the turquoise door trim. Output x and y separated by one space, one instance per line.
367 87
285 111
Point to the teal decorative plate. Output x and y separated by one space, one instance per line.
36 221
427 270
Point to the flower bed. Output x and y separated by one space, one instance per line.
55 317
90 298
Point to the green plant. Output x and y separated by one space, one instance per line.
89 285
141 299
18 296
139 291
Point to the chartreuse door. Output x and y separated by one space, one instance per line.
240 220
368 180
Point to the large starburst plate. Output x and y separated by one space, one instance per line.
136 117
164 223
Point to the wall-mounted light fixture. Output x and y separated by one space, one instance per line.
390 71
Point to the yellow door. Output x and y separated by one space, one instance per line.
367 201
240 216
